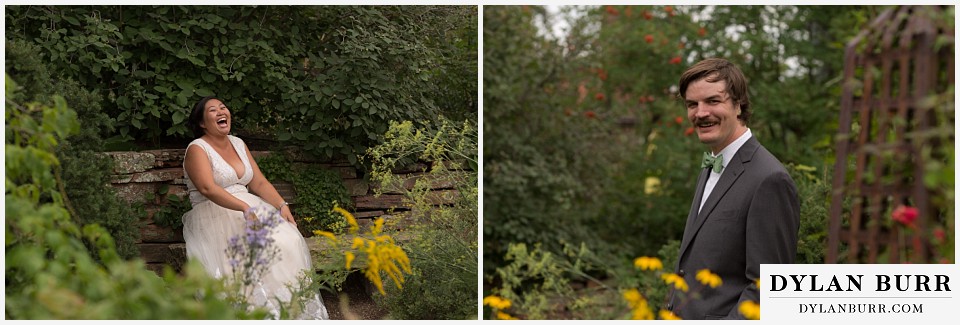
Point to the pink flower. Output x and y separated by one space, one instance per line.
905 215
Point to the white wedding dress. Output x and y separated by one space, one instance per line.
208 227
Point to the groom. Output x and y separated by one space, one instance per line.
745 211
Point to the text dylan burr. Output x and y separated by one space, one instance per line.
899 282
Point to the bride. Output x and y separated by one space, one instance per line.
219 171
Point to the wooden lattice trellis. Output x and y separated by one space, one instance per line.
890 128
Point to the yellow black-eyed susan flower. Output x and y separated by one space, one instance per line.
709 278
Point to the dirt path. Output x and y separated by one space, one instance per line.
354 302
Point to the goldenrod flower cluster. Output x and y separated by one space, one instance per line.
709 278
750 310
676 280
499 304
648 263
639 308
354 227
329 235
381 253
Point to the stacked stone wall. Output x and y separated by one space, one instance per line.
147 178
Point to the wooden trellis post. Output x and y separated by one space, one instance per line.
890 69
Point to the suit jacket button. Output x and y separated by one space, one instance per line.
681 273
670 307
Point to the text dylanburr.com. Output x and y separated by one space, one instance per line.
789 292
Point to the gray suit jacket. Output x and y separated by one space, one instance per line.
752 217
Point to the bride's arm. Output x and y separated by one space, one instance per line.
201 174
265 190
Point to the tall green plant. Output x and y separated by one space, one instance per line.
443 224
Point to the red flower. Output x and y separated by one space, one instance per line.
675 60
628 12
643 99
682 45
650 98
590 114
669 10
600 96
648 38
602 74
689 131
905 215
679 119
939 234
647 15
944 260
568 112
612 11
702 31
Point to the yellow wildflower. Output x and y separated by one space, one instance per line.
648 263
327 234
676 280
349 256
668 315
708 278
750 310
377 226
632 296
496 302
651 185
357 243
354 227
639 309
757 282
505 316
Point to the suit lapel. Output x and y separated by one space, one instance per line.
694 207
730 175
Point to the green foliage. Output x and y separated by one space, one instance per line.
545 159
531 279
85 173
170 214
813 188
50 273
318 191
327 79
443 224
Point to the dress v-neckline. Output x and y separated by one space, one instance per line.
242 162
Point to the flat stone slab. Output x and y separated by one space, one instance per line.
152 176
127 162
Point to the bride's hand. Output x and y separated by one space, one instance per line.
248 213
287 215
252 217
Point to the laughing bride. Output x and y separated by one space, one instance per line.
224 184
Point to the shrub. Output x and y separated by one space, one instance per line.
85 174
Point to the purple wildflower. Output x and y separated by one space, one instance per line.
252 252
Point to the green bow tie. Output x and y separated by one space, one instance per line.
710 161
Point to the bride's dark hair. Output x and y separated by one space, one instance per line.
196 116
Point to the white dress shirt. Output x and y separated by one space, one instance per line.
727 153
